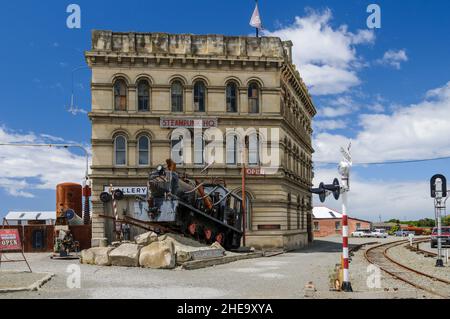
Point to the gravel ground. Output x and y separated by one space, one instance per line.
282 276
361 280
420 262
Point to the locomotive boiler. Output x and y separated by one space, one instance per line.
206 211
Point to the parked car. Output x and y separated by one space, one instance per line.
361 233
403 233
379 233
445 236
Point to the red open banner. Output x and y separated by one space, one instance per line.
10 240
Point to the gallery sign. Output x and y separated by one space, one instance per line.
10 240
177 122
130 190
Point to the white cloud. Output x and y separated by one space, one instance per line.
24 169
326 56
368 199
328 125
410 132
340 106
393 58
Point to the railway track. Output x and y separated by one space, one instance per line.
416 248
377 255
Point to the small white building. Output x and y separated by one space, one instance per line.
26 218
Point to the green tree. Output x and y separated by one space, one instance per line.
446 220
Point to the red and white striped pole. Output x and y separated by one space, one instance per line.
117 226
344 171
346 285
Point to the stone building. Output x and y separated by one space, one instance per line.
145 85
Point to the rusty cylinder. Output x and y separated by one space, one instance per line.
69 196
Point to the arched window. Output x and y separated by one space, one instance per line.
120 151
177 96
199 96
144 151
199 146
253 98
232 149
253 149
231 97
143 91
120 95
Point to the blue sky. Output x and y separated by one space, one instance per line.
386 89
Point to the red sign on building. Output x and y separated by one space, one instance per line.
10 240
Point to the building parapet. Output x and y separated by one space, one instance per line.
151 44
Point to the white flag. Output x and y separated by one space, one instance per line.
256 19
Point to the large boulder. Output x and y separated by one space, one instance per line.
96 256
126 255
187 249
158 255
146 238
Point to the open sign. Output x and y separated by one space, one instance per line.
10 240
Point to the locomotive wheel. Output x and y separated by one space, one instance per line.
192 228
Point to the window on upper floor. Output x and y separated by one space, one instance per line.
232 149
143 92
199 96
144 151
231 97
177 96
253 149
120 151
253 97
120 95
199 146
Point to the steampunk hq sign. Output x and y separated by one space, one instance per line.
176 122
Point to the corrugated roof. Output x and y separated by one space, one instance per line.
322 212
31 215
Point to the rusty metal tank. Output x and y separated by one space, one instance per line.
69 196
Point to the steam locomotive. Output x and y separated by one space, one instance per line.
208 212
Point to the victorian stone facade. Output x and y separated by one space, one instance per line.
144 85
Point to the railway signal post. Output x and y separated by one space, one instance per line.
340 190
344 171
438 185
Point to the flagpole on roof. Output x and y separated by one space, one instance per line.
255 21
257 30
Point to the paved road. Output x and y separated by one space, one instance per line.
282 276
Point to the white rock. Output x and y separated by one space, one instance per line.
146 238
126 255
96 256
158 255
